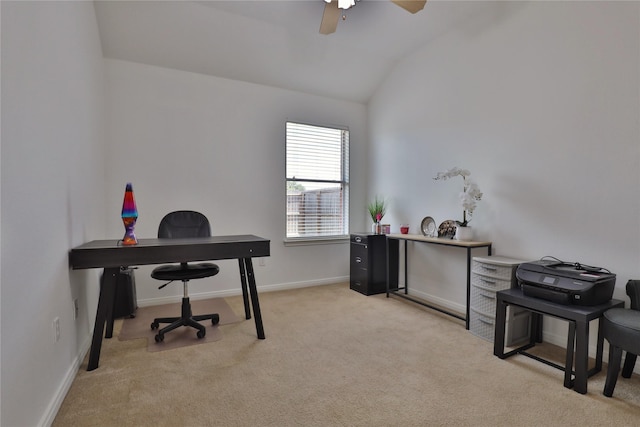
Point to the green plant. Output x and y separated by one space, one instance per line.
377 209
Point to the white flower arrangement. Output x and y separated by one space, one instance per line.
470 194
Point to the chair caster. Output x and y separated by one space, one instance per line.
159 337
154 325
201 334
215 319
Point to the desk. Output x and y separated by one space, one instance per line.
578 318
434 241
108 254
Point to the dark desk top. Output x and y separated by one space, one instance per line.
110 253
569 311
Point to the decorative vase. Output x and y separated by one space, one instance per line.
464 234
374 228
129 216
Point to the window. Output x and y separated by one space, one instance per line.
317 180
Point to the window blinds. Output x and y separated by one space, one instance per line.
317 181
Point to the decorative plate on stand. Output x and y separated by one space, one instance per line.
428 227
447 229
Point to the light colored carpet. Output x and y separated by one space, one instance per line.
333 357
140 326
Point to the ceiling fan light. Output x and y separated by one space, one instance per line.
346 4
343 4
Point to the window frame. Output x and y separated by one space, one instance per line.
344 185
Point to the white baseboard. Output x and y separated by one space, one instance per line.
54 406
432 299
233 292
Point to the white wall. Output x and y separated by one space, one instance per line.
541 102
190 141
75 129
52 198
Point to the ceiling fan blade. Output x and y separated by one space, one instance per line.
330 18
412 6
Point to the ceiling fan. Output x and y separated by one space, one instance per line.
333 11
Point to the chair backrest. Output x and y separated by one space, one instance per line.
184 224
633 290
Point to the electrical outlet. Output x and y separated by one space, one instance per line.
261 262
56 330
76 309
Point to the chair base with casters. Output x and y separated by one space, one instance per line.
179 272
621 328
187 319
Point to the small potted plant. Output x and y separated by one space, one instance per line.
377 208
468 197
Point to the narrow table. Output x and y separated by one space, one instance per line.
112 256
578 316
393 239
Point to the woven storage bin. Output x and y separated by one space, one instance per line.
481 326
483 301
495 271
489 283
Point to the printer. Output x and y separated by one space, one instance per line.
566 283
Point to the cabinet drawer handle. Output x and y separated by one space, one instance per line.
487 281
488 296
489 268
358 259
488 322
358 239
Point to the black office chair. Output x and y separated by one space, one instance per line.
177 225
621 327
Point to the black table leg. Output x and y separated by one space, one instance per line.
245 296
599 346
253 292
568 365
582 356
501 317
104 311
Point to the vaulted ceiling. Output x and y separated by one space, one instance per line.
277 42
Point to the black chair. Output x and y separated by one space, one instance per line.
621 327
182 224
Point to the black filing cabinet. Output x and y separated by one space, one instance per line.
369 263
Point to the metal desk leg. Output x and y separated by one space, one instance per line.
582 356
253 292
406 269
392 263
468 313
388 265
243 283
104 311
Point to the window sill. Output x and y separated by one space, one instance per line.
306 241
